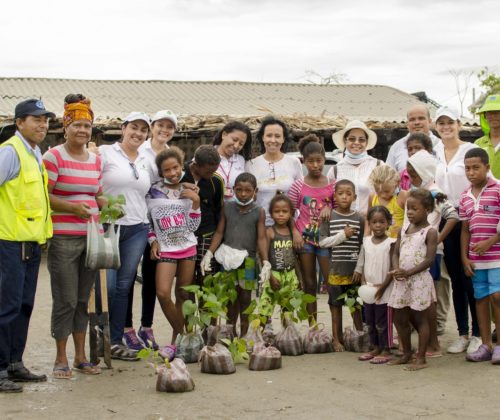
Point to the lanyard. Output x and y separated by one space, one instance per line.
228 173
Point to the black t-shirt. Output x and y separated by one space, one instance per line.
211 200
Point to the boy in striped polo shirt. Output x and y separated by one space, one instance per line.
479 209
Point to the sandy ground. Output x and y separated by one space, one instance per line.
334 385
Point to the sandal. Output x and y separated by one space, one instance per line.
168 352
121 352
365 357
62 372
380 360
87 368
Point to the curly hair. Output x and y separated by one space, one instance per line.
271 120
309 145
172 152
384 174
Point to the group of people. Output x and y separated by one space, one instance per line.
399 227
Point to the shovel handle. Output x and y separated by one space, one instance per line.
104 291
91 304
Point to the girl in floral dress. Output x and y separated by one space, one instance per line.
413 290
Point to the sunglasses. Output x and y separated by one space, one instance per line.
134 169
360 140
272 170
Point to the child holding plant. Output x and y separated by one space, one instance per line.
343 233
174 214
242 228
281 254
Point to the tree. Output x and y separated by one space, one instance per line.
462 83
333 78
489 83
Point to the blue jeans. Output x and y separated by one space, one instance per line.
133 240
17 296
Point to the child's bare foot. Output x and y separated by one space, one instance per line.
403 360
337 346
418 364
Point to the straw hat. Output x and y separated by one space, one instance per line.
338 137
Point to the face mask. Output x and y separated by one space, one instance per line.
166 181
353 156
241 203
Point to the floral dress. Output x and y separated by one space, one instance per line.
416 292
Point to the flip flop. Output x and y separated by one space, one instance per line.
380 360
431 354
62 372
365 357
87 368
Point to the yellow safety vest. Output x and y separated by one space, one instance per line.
24 200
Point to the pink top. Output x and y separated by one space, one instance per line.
405 183
483 215
76 182
309 201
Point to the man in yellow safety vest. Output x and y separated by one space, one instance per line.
25 224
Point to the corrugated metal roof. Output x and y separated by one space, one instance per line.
116 98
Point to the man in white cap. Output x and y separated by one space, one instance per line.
418 121
25 225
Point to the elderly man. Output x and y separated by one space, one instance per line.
418 121
25 224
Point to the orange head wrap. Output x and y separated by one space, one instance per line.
77 111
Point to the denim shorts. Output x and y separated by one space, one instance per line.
316 250
486 282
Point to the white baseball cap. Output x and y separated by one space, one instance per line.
165 115
135 116
445 111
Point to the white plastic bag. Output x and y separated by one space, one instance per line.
102 247
230 258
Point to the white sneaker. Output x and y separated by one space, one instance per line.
474 344
459 345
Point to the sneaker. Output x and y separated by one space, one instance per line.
474 344
459 345
131 340
122 352
147 338
482 354
495 357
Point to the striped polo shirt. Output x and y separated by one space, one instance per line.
483 215
73 181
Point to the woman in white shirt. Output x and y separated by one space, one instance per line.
163 126
234 145
125 171
273 169
356 166
450 177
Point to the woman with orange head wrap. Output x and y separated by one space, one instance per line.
75 197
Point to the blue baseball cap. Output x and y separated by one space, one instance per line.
33 107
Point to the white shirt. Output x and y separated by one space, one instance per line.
398 153
150 155
118 177
272 177
359 175
450 177
229 169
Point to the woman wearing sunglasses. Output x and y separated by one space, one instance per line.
356 166
126 171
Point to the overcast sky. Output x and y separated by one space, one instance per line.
404 44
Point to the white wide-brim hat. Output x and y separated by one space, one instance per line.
338 137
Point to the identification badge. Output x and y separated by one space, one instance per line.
228 192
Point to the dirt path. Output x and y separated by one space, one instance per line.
333 385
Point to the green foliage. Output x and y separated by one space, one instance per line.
237 348
211 301
490 84
152 357
113 209
351 299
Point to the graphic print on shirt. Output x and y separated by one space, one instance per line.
311 231
283 254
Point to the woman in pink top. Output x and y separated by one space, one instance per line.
312 197
74 192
